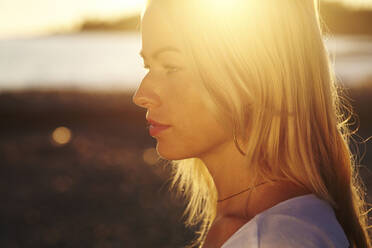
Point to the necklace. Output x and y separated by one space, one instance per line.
231 196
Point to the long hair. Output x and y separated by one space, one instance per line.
269 80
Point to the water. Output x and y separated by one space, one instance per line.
93 61
352 57
110 61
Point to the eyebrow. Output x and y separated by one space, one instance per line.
161 50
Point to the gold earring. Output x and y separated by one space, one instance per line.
237 145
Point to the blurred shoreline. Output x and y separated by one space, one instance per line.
336 18
110 61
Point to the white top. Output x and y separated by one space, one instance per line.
304 221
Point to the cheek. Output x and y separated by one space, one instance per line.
194 134
195 130
188 145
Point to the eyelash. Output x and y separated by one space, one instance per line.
172 68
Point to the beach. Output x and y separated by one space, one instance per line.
105 186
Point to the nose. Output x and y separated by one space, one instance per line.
145 95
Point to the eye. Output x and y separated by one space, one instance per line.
171 69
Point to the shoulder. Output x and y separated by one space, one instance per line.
284 230
305 221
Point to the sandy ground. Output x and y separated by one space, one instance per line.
105 187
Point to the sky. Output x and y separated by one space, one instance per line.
20 18
36 17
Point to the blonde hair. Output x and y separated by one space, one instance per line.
267 75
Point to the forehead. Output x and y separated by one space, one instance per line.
157 30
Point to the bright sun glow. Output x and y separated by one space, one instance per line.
222 4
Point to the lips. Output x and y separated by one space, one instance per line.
152 122
156 127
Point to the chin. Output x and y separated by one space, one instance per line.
171 154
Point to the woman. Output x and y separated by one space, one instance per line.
241 98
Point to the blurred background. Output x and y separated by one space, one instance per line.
77 165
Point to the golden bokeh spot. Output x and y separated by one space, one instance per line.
150 156
61 135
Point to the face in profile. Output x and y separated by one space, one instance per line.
173 95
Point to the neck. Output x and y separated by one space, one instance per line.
228 168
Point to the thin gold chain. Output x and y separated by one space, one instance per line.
231 196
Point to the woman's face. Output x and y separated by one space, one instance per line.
173 95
